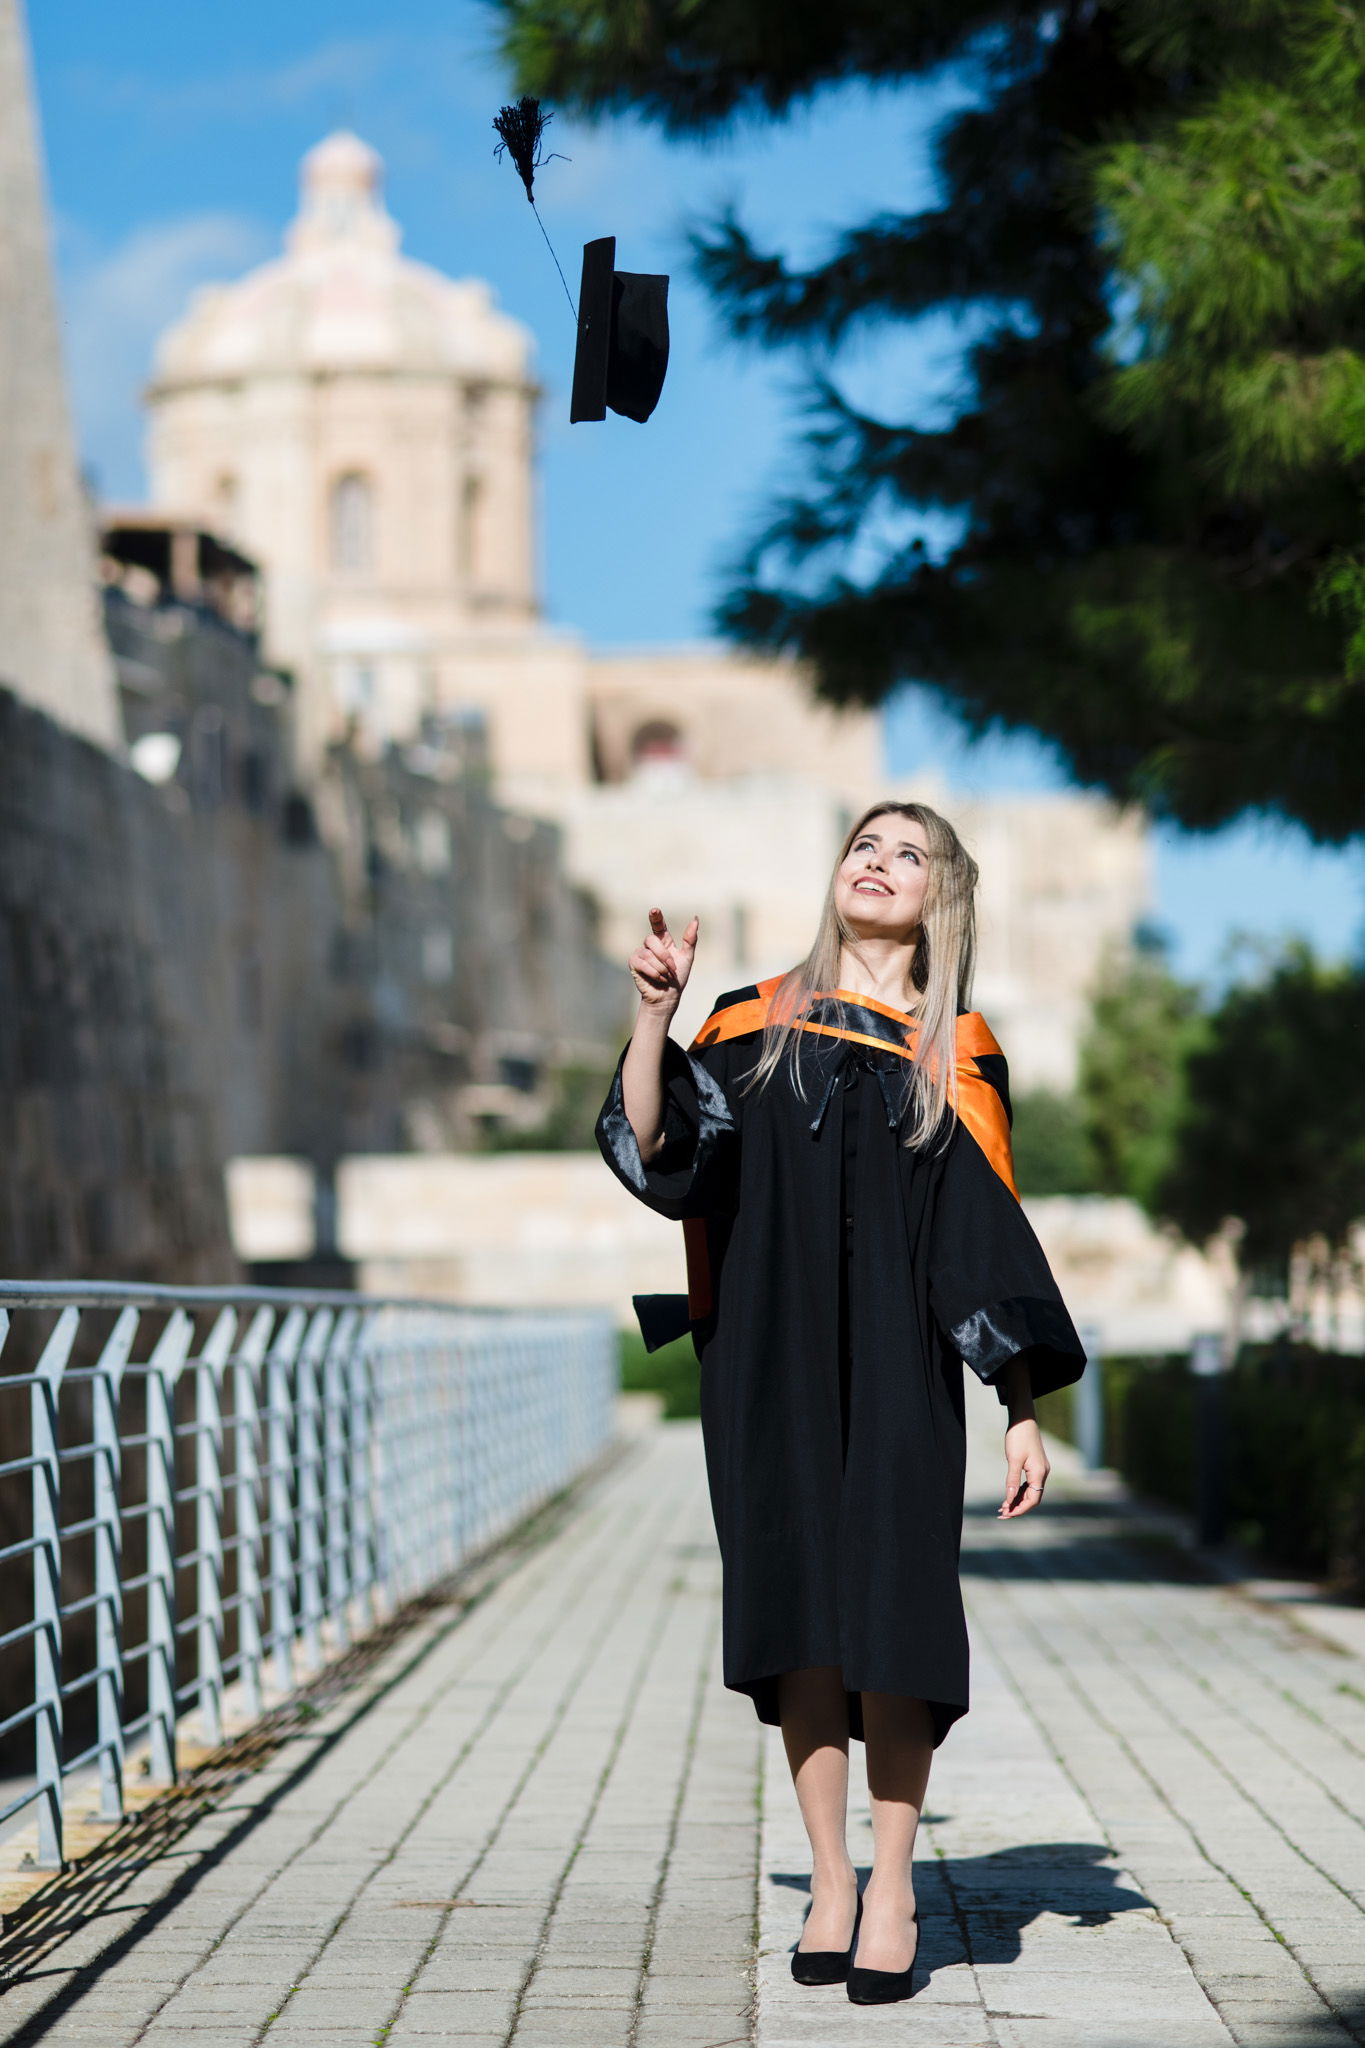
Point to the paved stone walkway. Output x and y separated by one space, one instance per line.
541 1821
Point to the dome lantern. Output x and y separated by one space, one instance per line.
341 197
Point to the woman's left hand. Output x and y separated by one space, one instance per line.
1026 1469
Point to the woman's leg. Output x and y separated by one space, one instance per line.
814 1710
900 1746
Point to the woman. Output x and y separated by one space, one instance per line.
836 1144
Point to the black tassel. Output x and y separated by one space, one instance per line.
522 129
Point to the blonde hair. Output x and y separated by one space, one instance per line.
940 974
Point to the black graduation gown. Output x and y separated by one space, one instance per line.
849 1278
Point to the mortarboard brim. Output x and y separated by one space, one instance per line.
622 350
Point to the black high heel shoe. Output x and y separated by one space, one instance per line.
885 1987
826 1965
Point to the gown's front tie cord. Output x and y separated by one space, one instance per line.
825 1101
893 1111
853 1064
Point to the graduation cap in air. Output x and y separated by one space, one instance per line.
622 315
622 348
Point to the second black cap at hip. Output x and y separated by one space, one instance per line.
622 350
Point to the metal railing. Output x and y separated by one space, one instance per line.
222 1487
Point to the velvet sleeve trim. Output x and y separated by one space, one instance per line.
698 1121
1024 1324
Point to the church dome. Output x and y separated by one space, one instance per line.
342 297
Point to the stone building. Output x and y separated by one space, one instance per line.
436 971
202 958
362 426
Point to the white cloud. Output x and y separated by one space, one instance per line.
116 302
336 76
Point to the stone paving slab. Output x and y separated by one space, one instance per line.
541 1821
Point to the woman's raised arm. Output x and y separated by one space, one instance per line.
659 968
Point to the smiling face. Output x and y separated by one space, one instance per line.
882 881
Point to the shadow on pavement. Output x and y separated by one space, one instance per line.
975 1908
1129 1556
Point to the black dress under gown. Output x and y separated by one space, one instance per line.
850 1276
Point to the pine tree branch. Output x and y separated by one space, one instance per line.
693 65
1153 222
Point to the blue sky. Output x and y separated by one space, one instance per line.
173 136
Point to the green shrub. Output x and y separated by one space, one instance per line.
671 1371
1051 1152
1296 1458
1295 1449
574 1096
1056 1413
1150 1426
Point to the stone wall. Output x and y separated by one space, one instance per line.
111 1136
222 964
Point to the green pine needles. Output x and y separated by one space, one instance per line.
1153 217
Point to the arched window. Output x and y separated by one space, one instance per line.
659 750
352 523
